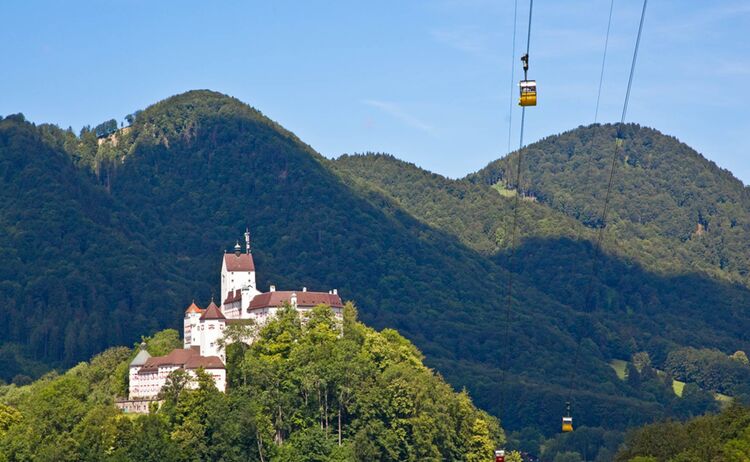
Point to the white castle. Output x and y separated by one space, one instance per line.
204 328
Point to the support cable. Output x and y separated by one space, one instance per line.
600 236
512 73
516 205
604 60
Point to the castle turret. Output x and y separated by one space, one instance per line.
212 324
136 389
191 335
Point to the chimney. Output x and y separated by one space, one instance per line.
273 288
304 289
335 291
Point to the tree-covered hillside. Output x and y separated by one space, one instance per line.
75 272
304 391
671 208
633 300
721 438
425 255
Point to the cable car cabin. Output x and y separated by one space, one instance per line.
528 93
567 424
500 455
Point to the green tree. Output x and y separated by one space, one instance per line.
481 446
8 416
163 342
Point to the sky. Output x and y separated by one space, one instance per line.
427 81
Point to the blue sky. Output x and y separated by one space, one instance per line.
427 81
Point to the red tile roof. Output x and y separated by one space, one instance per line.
176 357
193 308
206 362
189 358
212 312
304 299
232 297
243 262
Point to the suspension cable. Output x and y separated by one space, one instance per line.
604 60
605 210
511 258
512 74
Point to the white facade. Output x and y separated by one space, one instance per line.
147 385
232 281
211 330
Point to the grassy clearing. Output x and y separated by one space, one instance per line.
503 191
724 400
620 368
678 387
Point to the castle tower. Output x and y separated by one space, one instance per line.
191 334
136 389
238 275
212 324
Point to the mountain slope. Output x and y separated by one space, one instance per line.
669 202
195 169
632 305
477 215
75 275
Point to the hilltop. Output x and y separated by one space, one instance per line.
313 390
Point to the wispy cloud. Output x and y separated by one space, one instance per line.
396 111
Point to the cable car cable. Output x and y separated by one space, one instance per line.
512 73
579 235
516 204
604 60
602 226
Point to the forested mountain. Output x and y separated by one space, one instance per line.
149 209
672 209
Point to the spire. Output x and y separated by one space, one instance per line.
237 248
247 241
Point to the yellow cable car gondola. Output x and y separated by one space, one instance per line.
567 420
528 93
567 424
527 87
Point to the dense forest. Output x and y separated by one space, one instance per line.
106 238
672 208
318 390
722 438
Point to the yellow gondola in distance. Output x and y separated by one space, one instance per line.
528 93
567 424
